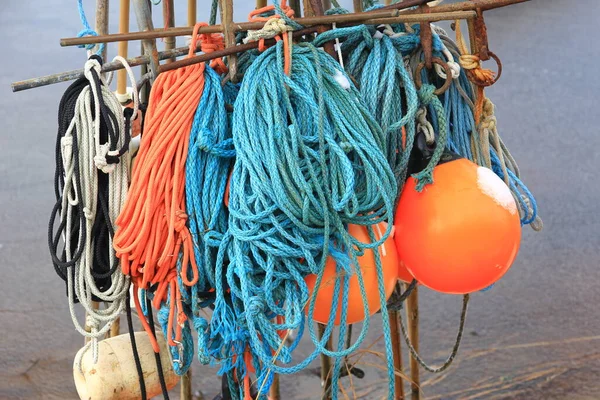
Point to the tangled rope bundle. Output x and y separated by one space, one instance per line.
239 192
152 225
91 181
321 165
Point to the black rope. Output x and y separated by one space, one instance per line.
398 297
161 375
102 229
136 356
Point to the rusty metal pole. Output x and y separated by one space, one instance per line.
412 315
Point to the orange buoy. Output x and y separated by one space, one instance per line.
462 232
356 312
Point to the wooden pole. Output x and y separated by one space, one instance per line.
412 315
169 20
123 46
143 15
115 328
395 333
261 4
325 364
229 34
186 385
358 5
306 7
274 391
185 392
295 5
191 17
102 21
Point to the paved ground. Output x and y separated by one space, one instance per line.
534 336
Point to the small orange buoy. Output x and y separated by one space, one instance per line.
356 312
462 232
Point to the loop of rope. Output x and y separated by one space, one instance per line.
87 30
91 183
453 353
151 228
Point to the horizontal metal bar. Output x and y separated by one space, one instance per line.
238 26
107 67
113 66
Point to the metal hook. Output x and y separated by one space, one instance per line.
426 38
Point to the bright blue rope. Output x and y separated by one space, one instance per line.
87 29
461 129
310 159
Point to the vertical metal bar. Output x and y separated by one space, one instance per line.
412 315
102 21
325 365
229 33
143 15
358 5
261 4
395 332
123 46
169 20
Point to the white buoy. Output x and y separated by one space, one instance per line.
115 375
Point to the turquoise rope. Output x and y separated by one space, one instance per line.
87 29
310 159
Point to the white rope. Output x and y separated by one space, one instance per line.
92 156
272 28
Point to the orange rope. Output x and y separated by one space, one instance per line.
254 16
151 229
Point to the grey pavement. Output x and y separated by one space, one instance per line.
536 335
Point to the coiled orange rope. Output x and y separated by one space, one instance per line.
151 229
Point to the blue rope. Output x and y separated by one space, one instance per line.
386 87
310 160
87 29
462 132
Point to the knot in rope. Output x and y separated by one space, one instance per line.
106 160
181 218
426 94
91 64
92 323
488 119
255 305
273 27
